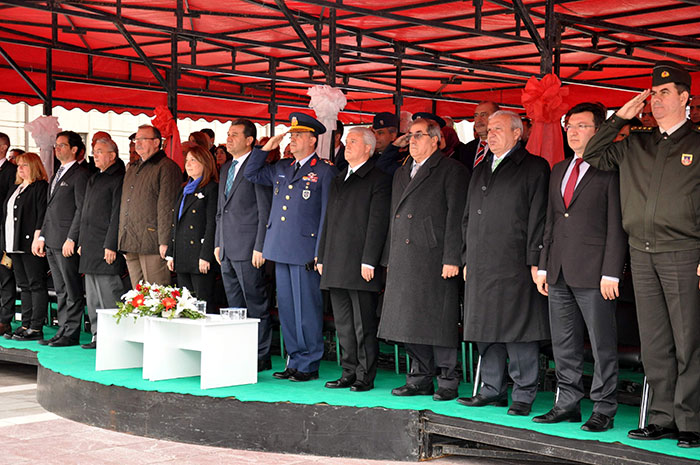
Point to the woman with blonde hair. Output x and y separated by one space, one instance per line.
23 215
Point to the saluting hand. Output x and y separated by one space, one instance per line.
632 108
402 141
274 142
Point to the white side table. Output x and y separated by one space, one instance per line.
120 344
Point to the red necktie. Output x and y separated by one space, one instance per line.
571 183
480 152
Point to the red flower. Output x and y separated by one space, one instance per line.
169 303
138 300
175 294
138 287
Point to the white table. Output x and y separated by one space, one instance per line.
222 352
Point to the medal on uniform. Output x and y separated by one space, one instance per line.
306 194
277 190
686 159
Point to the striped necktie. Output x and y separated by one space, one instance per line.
230 177
480 153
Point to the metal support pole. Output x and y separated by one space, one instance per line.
398 97
272 107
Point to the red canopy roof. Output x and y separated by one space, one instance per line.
248 57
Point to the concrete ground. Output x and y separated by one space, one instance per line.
31 435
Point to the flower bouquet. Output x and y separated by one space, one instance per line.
156 300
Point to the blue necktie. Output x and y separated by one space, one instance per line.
230 177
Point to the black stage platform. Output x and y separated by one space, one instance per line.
318 428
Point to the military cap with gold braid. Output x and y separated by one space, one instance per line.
301 122
669 71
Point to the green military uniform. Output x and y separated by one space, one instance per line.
660 196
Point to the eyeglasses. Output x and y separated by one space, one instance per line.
416 135
647 113
578 127
60 146
137 139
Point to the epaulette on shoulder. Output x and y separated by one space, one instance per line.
328 162
696 127
642 129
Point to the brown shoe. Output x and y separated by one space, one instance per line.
6 328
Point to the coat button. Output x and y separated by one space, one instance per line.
191 242
283 218
313 235
408 241
478 212
290 187
191 227
15 207
483 188
409 216
286 197
194 211
566 215
27 236
398 215
15 218
284 207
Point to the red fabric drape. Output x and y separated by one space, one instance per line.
167 126
544 103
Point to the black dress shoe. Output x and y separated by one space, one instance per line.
652 432
341 382
598 423
519 408
301 376
361 386
480 401
29 335
17 333
284 374
89 345
557 415
45 342
688 439
413 390
64 341
264 365
445 394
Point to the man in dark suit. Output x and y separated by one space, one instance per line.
477 149
580 269
338 158
503 226
241 218
300 195
349 252
8 287
421 301
59 235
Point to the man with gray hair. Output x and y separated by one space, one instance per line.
421 301
503 226
349 253
99 229
145 217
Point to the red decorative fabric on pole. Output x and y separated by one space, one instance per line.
544 103
167 125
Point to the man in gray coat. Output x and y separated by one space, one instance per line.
421 301
503 225
148 195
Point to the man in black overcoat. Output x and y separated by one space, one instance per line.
503 226
8 287
421 301
349 253
102 265
60 234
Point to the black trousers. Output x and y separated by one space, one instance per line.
668 309
31 276
355 315
201 286
428 361
519 359
69 292
8 289
246 286
571 311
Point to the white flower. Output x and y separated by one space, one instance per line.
199 195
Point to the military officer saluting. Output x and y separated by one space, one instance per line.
660 197
300 195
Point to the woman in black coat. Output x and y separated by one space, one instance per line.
23 215
191 250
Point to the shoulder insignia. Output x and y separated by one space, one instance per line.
696 128
642 129
328 162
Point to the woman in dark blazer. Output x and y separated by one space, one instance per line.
23 215
191 250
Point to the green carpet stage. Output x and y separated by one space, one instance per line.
260 416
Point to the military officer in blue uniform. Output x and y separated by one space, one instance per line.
300 195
